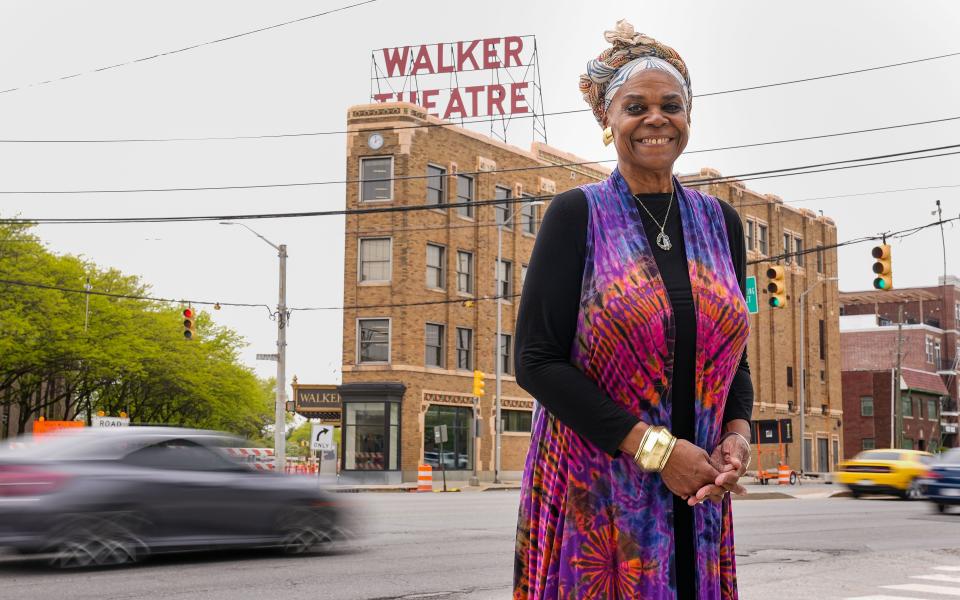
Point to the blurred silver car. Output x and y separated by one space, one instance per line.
98 497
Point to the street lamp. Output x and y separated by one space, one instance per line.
803 374
496 351
279 430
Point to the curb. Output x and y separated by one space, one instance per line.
765 496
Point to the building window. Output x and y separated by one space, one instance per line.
906 406
789 376
464 272
751 235
434 345
823 341
868 444
516 421
436 185
370 439
907 444
374 260
503 210
798 250
866 406
505 279
836 453
376 179
373 340
936 354
523 275
457 450
762 243
956 314
464 348
506 351
787 256
931 409
928 347
819 259
529 217
465 196
436 275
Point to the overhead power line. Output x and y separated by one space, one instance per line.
185 49
427 125
782 172
887 235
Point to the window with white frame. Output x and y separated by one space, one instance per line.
465 196
928 347
528 217
436 185
464 272
373 340
506 353
434 345
505 279
798 250
464 348
376 179
751 234
503 210
956 314
374 260
436 255
936 354
763 245
787 257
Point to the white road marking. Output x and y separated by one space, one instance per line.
947 568
929 589
938 577
886 598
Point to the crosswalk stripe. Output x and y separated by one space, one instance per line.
886 598
921 587
938 577
947 568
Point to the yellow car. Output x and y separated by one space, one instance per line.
889 471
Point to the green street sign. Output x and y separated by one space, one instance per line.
752 305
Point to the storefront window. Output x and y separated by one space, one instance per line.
458 449
370 441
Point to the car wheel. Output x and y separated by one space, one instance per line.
793 478
913 491
941 508
306 531
97 541
856 494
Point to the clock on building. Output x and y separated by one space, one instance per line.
375 141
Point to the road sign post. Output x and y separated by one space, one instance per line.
440 436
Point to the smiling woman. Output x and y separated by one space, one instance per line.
631 334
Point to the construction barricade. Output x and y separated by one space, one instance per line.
425 478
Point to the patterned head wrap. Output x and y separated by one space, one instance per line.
631 52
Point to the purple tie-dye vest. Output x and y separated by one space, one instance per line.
592 526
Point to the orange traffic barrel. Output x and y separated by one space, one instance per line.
783 475
425 478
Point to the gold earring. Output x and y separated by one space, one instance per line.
607 136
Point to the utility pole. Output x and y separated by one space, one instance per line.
280 429
803 372
498 447
896 383
283 318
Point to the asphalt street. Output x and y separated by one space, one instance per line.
459 546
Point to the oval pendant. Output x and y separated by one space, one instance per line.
663 240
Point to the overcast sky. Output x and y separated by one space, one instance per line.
302 77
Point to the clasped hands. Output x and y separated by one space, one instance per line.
696 476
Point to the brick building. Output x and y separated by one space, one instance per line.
925 416
418 317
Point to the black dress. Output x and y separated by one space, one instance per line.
546 328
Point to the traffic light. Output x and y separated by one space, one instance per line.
882 268
776 286
478 383
188 320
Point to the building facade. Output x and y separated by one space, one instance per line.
420 317
924 401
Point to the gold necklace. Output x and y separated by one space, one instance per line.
663 240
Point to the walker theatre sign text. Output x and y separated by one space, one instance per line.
445 79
